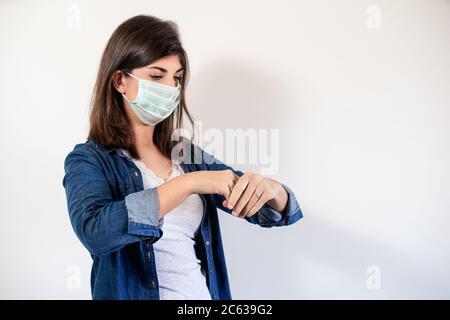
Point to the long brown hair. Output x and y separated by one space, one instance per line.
137 42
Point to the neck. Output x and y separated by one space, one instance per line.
143 136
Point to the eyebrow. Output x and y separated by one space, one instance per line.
164 70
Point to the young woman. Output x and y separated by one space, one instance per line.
149 219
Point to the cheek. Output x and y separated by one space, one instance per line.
132 90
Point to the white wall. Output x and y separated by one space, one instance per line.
363 115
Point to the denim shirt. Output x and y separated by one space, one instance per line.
118 222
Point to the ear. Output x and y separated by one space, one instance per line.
119 81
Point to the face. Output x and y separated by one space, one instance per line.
167 70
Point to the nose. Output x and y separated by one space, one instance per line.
171 83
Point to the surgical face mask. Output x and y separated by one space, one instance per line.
154 101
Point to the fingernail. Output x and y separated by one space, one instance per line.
230 206
234 213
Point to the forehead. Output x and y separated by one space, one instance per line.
169 63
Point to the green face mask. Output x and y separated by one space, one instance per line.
154 101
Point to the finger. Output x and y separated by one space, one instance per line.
230 186
256 195
238 188
230 189
227 196
244 198
258 205
225 203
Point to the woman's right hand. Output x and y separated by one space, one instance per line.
213 182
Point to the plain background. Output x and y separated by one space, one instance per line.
363 115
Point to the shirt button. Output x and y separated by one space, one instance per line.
149 256
153 284
207 242
136 173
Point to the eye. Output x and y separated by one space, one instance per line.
156 77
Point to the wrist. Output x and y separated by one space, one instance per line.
279 201
188 183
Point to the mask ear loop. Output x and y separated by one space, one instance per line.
132 75
125 97
123 94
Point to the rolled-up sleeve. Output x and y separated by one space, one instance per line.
269 217
143 208
103 224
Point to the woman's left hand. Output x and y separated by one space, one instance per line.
251 192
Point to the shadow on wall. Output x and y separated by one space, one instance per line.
313 258
235 94
230 95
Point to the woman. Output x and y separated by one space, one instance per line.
143 203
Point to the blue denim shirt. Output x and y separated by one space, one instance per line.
118 221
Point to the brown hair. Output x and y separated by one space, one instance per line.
137 42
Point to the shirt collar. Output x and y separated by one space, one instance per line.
124 153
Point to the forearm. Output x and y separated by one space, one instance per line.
174 192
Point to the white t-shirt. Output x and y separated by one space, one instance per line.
179 271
